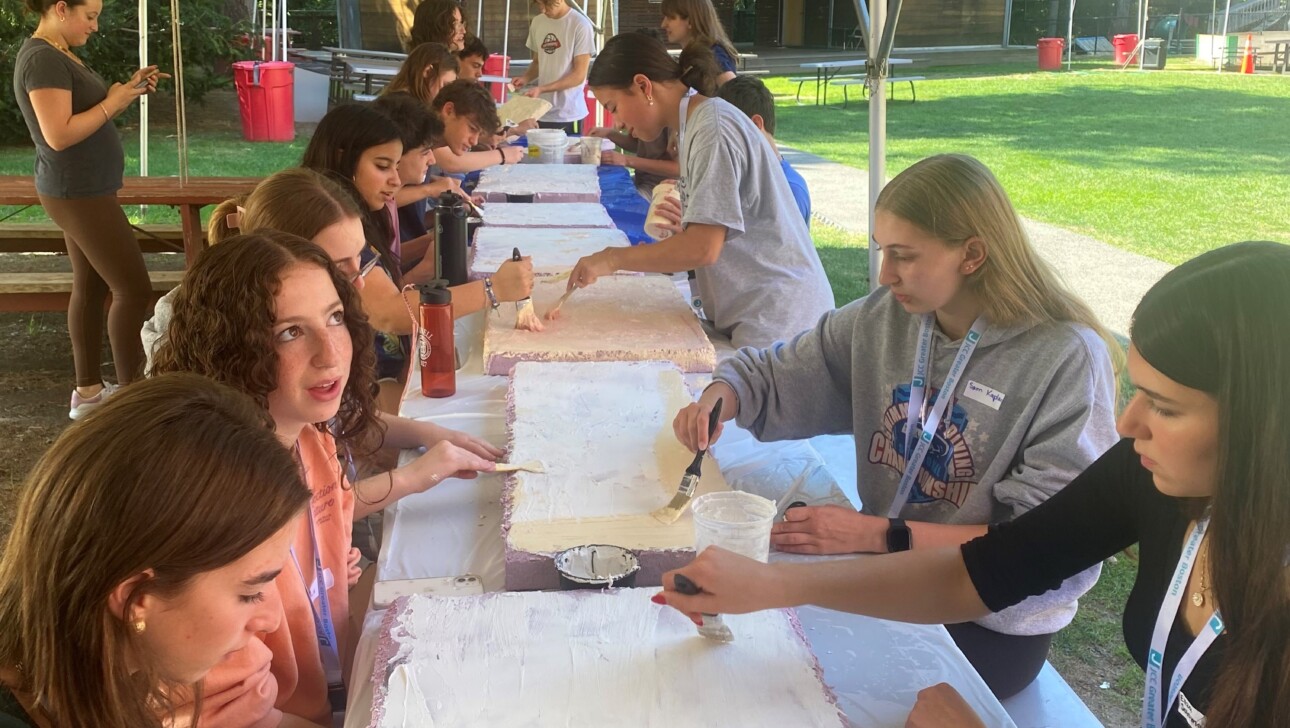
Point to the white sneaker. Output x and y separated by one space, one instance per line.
82 406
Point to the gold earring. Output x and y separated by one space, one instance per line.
650 99
140 626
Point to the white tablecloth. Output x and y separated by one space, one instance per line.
875 667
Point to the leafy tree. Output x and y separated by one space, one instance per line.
214 35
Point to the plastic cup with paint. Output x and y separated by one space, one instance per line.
735 521
590 148
655 222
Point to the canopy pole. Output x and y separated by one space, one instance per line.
143 100
876 71
1070 36
181 117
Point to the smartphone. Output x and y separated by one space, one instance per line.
385 592
146 79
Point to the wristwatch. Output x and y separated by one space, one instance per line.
899 537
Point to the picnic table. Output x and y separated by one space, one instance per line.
188 198
826 71
1280 55
372 68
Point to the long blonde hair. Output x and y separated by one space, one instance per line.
298 200
175 475
954 197
705 26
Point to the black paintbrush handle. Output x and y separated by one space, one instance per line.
685 586
515 255
713 420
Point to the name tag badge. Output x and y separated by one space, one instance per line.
987 396
328 579
1194 718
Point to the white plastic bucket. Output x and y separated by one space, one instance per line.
546 146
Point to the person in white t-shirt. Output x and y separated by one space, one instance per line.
562 41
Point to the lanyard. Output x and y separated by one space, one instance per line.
1153 713
324 629
680 132
917 395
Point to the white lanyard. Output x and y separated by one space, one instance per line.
1153 713
323 627
918 393
680 132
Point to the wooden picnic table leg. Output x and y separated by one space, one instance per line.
190 216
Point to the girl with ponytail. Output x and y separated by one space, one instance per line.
758 277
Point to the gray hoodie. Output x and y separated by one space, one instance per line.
1034 407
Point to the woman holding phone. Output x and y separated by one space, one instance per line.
69 109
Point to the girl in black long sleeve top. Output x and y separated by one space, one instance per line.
1203 472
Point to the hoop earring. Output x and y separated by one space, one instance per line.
650 99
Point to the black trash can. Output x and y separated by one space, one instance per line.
1153 53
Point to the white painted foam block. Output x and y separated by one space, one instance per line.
547 214
545 182
618 318
554 250
605 659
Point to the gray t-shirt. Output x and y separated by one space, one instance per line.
768 285
90 168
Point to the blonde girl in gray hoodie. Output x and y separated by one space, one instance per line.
965 307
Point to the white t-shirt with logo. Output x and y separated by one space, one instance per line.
554 44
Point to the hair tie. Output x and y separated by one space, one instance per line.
234 219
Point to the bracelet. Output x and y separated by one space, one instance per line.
492 297
502 154
106 116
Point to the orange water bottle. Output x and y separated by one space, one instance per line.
436 352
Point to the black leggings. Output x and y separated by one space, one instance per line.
105 259
1007 662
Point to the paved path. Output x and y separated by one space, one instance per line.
1111 280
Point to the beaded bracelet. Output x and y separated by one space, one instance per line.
492 297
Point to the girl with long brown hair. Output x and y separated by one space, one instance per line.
69 109
169 507
1199 482
696 21
270 314
1012 379
428 68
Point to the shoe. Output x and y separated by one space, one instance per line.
82 406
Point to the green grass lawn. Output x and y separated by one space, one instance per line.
1166 164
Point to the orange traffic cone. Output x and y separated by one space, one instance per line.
1247 58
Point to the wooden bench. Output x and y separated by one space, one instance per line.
52 291
847 82
45 237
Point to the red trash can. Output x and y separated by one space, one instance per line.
606 118
498 65
1050 53
266 95
1124 46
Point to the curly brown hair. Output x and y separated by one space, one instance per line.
222 328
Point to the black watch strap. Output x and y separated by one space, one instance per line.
899 537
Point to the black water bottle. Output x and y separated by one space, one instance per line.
451 237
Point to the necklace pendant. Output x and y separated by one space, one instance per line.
1198 598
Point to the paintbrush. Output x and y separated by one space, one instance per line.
532 466
554 313
713 627
525 317
690 481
